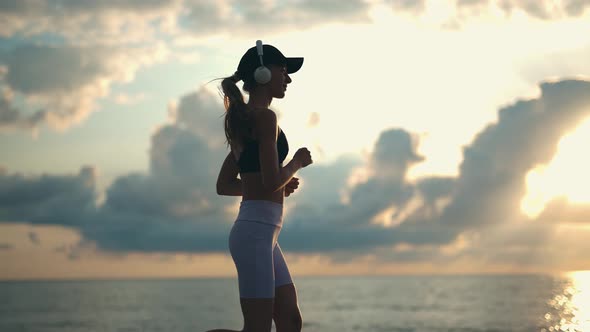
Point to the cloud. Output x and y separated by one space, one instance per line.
325 183
253 16
60 84
47 199
476 215
492 174
65 55
314 227
485 195
81 22
541 9
12 118
124 22
563 211
415 6
174 207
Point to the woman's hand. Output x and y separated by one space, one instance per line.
303 156
291 186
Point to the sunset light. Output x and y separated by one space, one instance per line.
566 175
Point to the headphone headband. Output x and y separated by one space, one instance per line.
260 51
262 75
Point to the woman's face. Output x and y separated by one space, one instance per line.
278 82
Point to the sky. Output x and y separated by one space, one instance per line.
448 137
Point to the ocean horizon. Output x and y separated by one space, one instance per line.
475 303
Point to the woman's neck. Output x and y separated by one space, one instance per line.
259 99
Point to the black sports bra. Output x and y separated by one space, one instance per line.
249 161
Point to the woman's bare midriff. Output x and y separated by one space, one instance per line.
252 189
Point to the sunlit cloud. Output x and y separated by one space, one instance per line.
60 86
561 176
440 218
88 23
454 140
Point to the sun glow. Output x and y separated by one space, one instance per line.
566 175
573 305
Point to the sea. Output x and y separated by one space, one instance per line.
328 304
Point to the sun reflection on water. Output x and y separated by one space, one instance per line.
570 307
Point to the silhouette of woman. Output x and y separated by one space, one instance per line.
258 147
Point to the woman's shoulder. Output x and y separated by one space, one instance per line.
264 114
265 120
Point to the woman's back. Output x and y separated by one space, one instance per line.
248 160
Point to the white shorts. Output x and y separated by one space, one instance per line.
254 247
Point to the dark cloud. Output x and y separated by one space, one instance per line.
486 194
325 183
492 175
433 189
84 21
124 21
60 84
394 153
174 207
47 199
314 227
485 198
12 118
36 69
27 7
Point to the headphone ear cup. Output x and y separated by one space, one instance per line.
262 75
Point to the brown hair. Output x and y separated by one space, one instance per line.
238 122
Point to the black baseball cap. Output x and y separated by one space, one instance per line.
270 56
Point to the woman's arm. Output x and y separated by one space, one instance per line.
228 183
273 177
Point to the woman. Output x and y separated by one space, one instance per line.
258 148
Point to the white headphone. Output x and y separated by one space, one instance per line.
262 74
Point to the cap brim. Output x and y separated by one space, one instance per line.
294 64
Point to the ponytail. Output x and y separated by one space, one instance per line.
237 124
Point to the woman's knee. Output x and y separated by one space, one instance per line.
297 321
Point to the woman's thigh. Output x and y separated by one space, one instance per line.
251 247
